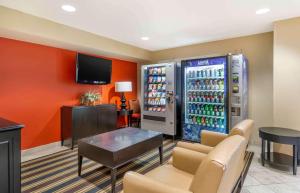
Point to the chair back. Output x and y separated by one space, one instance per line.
134 105
243 128
221 169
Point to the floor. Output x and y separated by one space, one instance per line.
259 179
268 180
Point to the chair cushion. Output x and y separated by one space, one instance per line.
169 175
195 146
136 115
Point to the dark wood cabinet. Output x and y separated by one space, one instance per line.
83 121
10 156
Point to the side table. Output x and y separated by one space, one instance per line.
283 136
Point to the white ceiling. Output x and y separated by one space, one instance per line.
168 23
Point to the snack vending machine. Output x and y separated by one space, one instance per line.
158 98
214 94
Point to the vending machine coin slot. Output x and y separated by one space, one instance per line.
235 111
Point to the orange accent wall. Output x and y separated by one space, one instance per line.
36 80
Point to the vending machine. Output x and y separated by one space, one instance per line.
214 94
158 98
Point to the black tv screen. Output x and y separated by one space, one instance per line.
92 70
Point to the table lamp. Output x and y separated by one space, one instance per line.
123 87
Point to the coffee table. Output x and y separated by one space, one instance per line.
116 148
283 136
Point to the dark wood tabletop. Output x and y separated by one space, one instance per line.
280 135
6 125
120 139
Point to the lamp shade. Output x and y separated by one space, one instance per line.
123 87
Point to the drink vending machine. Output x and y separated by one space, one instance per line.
214 94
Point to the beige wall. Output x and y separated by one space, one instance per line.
287 74
25 27
259 51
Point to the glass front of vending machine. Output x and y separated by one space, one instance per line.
158 98
205 96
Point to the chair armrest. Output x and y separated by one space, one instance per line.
187 160
137 183
211 138
195 147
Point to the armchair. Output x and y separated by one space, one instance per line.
217 172
210 139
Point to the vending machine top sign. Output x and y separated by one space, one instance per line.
205 96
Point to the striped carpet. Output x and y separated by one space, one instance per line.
58 172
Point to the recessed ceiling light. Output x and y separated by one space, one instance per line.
262 11
68 8
145 38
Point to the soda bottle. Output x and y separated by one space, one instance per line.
216 110
222 72
221 84
199 120
215 73
198 85
201 97
221 111
190 119
220 123
222 97
203 121
204 73
195 96
210 73
207 85
215 97
194 120
198 73
216 86
193 74
202 110
211 122
206 109
211 84
207 122
208 97
215 122
211 109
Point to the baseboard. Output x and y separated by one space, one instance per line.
39 151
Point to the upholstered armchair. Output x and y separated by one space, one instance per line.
193 172
210 139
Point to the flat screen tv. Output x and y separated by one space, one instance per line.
92 70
